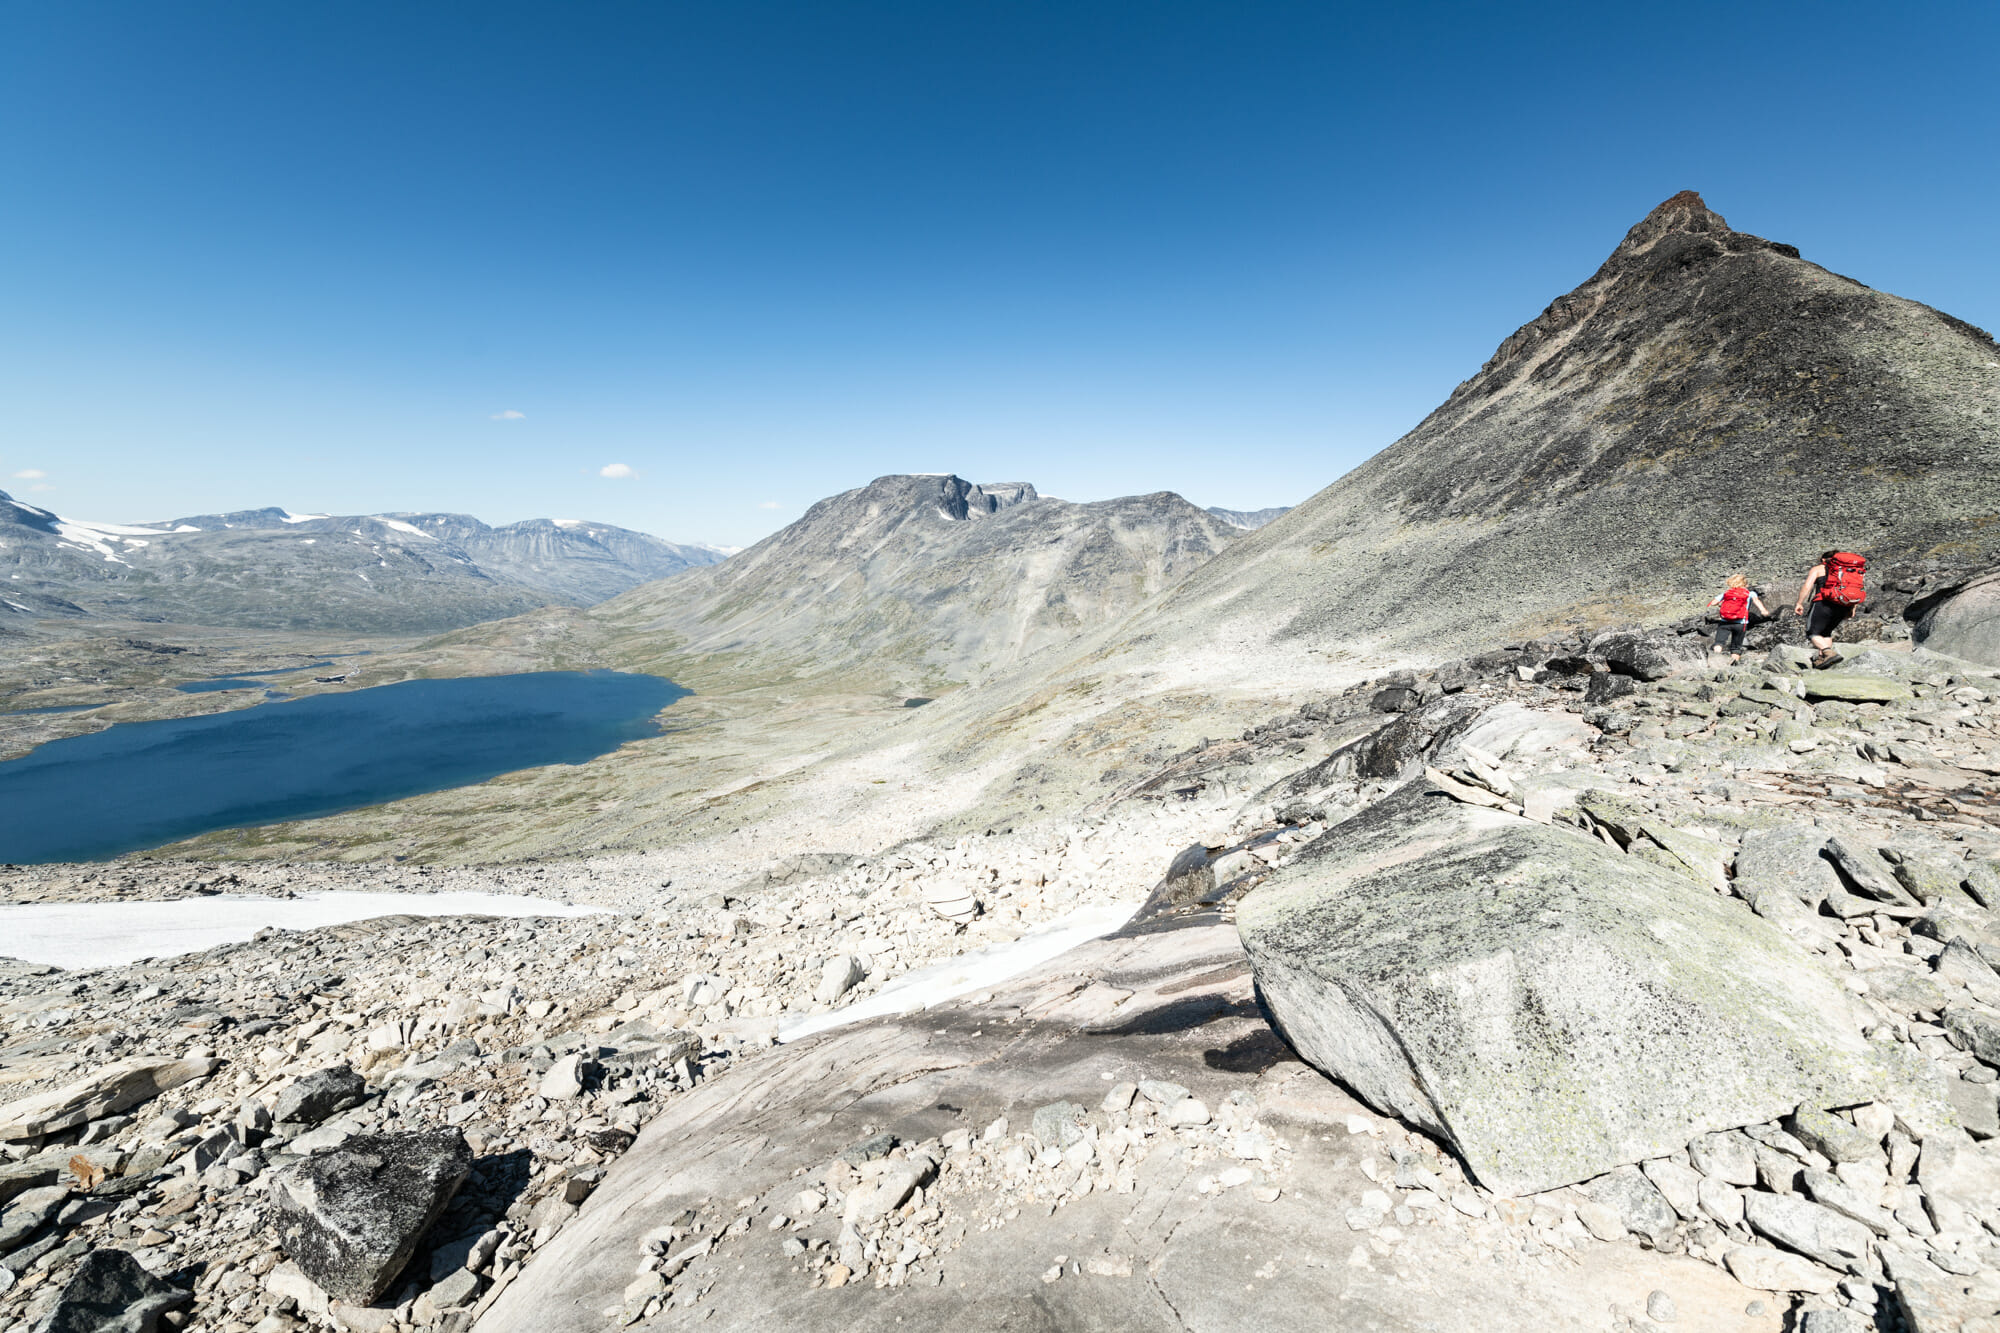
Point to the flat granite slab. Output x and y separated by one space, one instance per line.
1170 1005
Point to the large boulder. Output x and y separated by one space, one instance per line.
1553 1009
352 1217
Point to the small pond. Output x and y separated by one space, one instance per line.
140 784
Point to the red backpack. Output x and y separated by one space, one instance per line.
1736 604
1842 584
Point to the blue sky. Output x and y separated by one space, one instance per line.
366 257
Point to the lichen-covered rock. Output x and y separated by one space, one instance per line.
1855 687
352 1217
1789 860
1551 1008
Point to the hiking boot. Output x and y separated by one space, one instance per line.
1825 658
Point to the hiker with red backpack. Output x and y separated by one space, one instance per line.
1733 606
1834 586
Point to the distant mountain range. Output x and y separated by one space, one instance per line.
1247 519
273 569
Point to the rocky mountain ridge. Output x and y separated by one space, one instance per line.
921 582
272 569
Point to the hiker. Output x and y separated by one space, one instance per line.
1834 586
1733 605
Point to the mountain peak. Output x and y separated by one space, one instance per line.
1686 212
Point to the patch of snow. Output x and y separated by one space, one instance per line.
977 970
187 527
16 605
98 537
567 522
72 935
310 541
290 517
410 528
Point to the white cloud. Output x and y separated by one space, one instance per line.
30 474
509 415
617 471
768 504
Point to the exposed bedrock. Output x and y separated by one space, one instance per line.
1551 1008
1964 621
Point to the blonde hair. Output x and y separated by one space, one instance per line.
1737 581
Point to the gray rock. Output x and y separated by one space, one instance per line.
1776 1270
1643 1210
111 1293
1865 871
1818 1233
1725 1157
1852 687
1632 655
839 975
1679 1185
118 1086
322 1093
873 1148
1960 962
567 1078
1974 1105
1518 989
1785 860
28 1211
1832 1137
1830 1191
1928 879
31 1173
1190 877
1162 1093
1058 1124
1954 1168
1619 816
1660 1307
455 1289
1835 1321
352 1217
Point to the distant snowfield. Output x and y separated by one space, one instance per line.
969 972
76 935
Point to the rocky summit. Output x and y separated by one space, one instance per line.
1708 402
1387 916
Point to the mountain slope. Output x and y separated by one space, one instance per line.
1707 402
270 569
924 580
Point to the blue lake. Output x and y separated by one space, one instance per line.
140 784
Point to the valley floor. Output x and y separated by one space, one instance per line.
1117 1139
